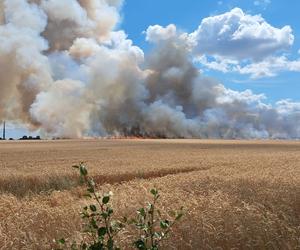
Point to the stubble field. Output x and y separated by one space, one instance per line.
236 194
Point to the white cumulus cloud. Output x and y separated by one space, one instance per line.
269 67
157 33
243 43
238 35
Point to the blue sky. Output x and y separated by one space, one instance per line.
188 14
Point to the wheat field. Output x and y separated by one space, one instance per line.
236 194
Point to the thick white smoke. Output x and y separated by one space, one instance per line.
67 71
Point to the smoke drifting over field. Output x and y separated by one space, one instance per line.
66 70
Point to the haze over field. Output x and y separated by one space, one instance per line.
67 70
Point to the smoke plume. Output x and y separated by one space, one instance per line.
66 71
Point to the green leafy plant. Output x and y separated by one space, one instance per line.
101 228
152 227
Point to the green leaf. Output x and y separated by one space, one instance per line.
91 190
93 208
110 244
96 246
104 215
102 231
91 183
140 244
164 224
142 212
110 211
83 170
158 235
154 192
150 208
105 199
84 215
61 241
94 223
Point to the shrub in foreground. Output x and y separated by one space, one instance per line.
102 229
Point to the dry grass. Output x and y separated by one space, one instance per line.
237 194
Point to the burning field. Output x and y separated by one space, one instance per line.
236 194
